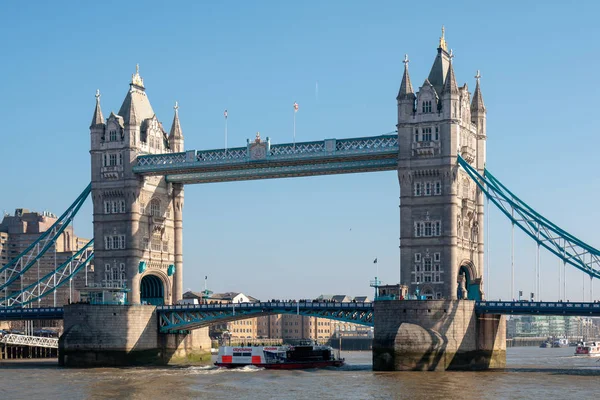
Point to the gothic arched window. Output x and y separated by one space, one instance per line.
155 208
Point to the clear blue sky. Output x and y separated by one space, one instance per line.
303 237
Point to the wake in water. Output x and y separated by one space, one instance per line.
211 369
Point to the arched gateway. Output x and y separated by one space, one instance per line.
152 290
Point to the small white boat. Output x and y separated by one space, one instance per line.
590 349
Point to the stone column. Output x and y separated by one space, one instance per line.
135 251
453 262
480 237
178 241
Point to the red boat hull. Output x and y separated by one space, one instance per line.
290 365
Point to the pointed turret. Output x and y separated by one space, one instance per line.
136 108
477 104
98 118
439 69
176 135
450 85
406 97
406 90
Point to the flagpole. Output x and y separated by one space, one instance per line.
295 111
225 132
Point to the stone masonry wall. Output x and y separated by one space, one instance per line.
120 335
436 335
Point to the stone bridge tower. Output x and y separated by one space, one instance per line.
441 213
137 220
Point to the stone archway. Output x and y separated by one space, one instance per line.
468 285
427 293
152 290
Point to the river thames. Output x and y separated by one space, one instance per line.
532 373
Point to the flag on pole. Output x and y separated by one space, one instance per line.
295 107
225 114
375 261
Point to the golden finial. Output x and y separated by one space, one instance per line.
136 79
257 140
443 45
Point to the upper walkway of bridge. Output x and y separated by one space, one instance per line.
261 160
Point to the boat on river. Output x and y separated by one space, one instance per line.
302 356
590 349
560 343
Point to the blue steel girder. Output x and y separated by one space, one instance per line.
51 281
187 317
562 244
295 171
537 308
27 314
330 156
35 251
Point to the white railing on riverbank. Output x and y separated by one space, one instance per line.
32 341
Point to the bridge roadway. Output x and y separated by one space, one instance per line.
190 316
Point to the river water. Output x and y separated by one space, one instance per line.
531 373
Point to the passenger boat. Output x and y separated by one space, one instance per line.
560 343
590 349
301 356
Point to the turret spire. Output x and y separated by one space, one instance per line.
442 45
450 85
406 89
98 118
176 135
477 103
176 126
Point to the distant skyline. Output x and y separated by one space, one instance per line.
342 63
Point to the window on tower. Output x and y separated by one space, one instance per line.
113 136
426 135
426 106
155 208
438 188
417 188
428 228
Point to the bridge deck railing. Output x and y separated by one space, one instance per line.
302 305
286 151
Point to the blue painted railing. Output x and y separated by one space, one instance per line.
538 308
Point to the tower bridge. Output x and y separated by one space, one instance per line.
138 173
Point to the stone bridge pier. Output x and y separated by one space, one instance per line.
433 335
125 335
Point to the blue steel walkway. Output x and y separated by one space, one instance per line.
186 317
261 160
537 308
15 314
